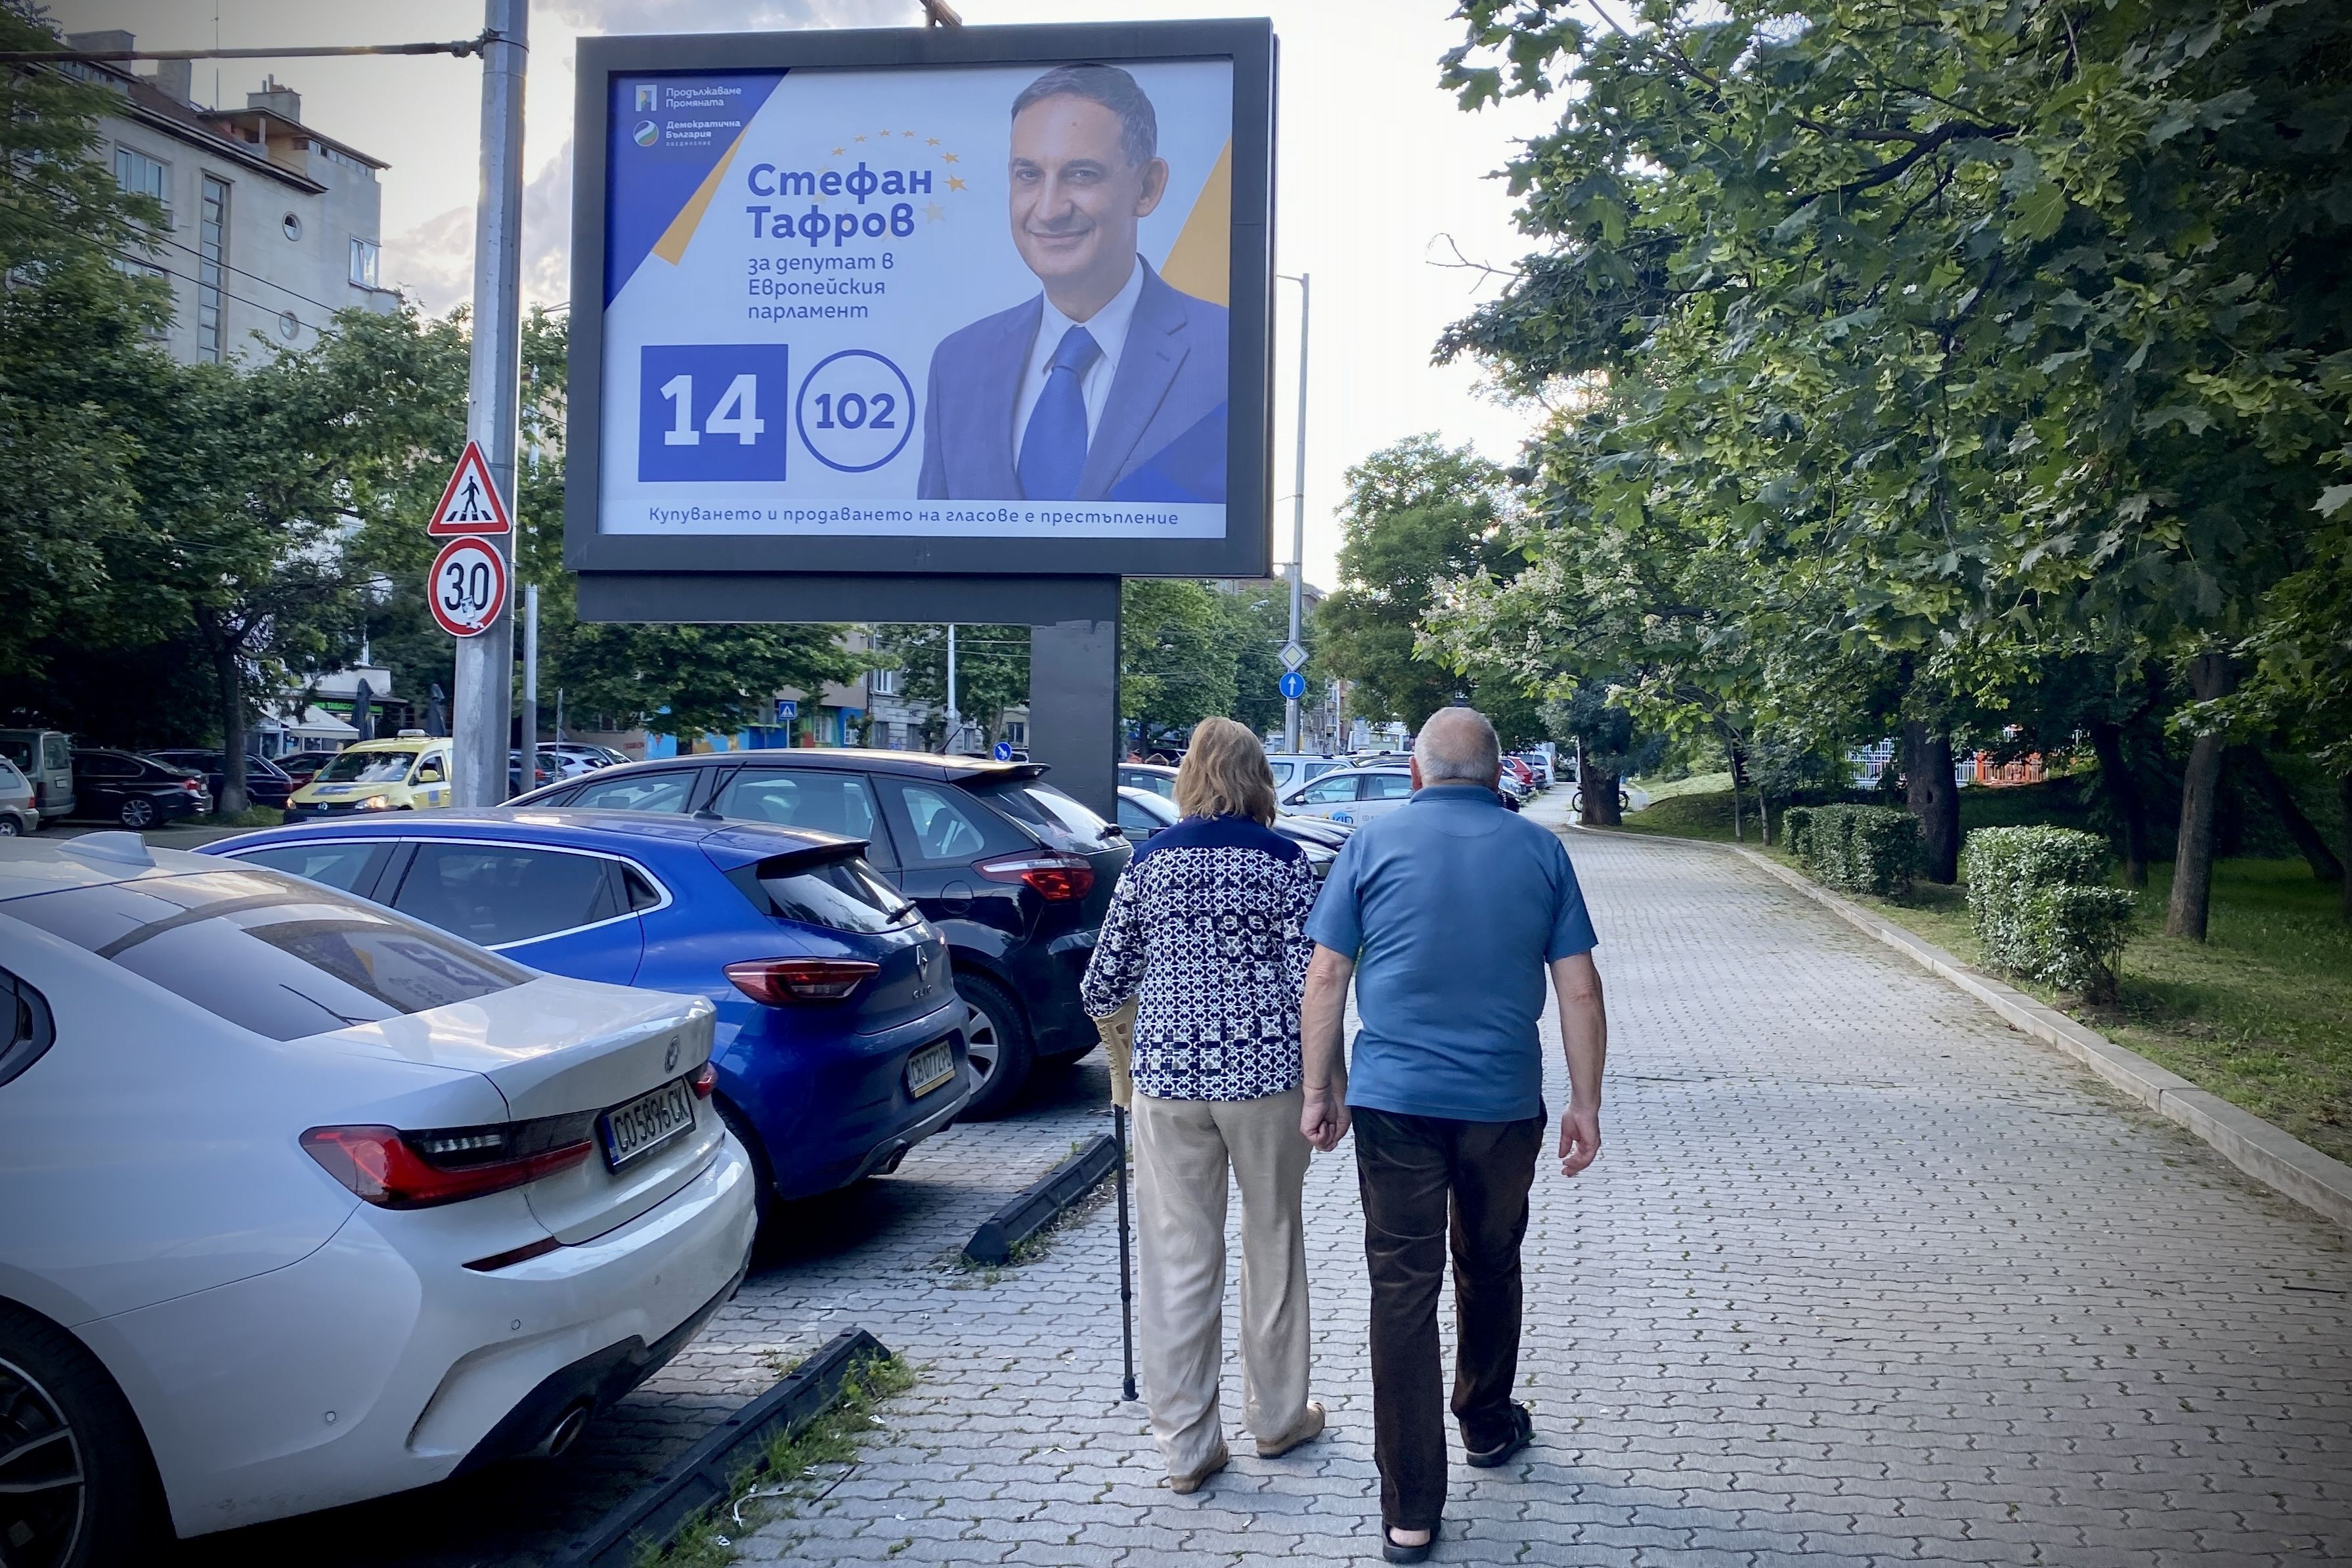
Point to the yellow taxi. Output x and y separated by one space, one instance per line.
407 772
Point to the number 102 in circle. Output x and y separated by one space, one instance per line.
722 412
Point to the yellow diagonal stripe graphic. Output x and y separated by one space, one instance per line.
681 232
1201 261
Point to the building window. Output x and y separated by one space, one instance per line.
1017 733
143 177
883 682
365 254
289 326
291 226
211 257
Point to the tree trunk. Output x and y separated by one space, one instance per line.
2123 793
2307 837
1600 793
1738 828
2344 807
1764 816
233 797
2210 676
1932 797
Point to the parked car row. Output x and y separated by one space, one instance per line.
305 1201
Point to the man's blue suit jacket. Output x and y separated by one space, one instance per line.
1161 437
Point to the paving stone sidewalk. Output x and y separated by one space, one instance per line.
1863 1276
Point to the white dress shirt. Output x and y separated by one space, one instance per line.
1107 327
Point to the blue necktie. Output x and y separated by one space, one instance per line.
1053 447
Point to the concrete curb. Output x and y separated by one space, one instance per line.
2276 1159
1038 1205
700 1478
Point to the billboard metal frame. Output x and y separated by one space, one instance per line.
629 563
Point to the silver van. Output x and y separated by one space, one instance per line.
46 759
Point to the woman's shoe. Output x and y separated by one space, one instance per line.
1310 1426
1191 1482
1523 1431
1392 1552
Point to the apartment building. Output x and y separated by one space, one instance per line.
270 227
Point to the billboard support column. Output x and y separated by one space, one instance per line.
1074 695
485 680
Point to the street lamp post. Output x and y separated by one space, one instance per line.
1298 514
485 683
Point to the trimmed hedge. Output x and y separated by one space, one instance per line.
2041 906
1854 848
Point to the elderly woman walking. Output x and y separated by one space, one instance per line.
1207 934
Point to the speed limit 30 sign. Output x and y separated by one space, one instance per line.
468 586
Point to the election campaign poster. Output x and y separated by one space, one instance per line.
981 302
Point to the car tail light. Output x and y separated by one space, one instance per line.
782 982
706 1078
1055 875
396 1170
193 786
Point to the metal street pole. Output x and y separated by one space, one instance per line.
484 700
530 725
1298 520
955 722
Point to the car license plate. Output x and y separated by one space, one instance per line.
647 1121
930 1068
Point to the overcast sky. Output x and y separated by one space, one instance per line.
1376 165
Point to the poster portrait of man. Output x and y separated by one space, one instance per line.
1109 382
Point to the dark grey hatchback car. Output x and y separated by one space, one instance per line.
1016 873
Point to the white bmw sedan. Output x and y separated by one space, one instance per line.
303 1203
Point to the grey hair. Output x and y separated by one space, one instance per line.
1139 125
1457 746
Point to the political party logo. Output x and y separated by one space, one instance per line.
647 93
646 134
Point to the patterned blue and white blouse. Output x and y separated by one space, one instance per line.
1208 927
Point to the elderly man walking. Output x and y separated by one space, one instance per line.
1447 914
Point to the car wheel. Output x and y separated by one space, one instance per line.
77 1486
10 828
997 1040
763 1189
137 813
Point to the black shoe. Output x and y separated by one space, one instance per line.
1391 1550
1523 1431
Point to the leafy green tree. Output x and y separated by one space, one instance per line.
1177 658
1960 338
992 672
73 326
1419 515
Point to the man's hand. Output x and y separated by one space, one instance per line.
1579 1139
1323 1119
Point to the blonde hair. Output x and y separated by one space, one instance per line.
1225 774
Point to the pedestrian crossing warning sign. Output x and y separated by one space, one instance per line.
471 503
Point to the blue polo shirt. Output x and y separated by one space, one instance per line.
1452 907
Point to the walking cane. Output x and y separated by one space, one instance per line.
1126 1290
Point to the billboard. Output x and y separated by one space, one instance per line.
954 300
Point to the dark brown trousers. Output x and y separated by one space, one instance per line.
1414 1172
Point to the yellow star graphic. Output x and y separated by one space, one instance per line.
951 157
930 141
837 152
905 133
933 212
954 183
857 138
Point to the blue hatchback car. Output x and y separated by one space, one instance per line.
841 1039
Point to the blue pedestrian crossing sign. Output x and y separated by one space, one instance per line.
1294 685
1003 750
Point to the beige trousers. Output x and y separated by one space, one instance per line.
1183 1150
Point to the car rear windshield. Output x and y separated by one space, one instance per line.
839 895
1053 816
279 956
366 767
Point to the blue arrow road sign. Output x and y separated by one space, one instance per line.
1294 685
1003 750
